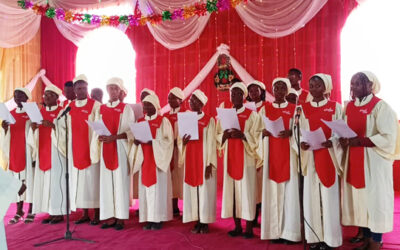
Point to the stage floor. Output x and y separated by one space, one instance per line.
174 235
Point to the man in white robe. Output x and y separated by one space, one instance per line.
49 192
18 158
85 173
112 153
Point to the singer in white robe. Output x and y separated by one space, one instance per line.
199 202
49 192
11 151
155 188
114 180
280 213
322 196
371 204
240 184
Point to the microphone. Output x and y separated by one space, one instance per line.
65 112
297 116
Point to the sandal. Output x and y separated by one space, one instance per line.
82 220
47 220
16 219
29 218
204 229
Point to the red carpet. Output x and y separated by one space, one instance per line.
174 235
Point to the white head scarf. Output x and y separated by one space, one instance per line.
149 91
177 92
201 96
26 91
116 81
258 83
284 80
241 86
327 79
53 88
376 85
81 77
153 99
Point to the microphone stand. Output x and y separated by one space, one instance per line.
301 179
68 234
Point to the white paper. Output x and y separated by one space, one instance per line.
33 112
137 110
99 127
274 127
188 124
250 105
228 118
340 128
5 114
141 131
313 138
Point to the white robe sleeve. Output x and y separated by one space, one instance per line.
163 145
95 144
385 139
336 151
211 157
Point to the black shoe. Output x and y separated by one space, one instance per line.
82 220
235 233
278 241
56 220
107 226
156 226
356 240
119 226
148 226
288 242
47 220
176 212
247 235
95 222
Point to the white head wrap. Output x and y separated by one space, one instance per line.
153 99
241 86
258 83
149 91
376 85
177 92
327 79
81 77
116 81
53 88
284 80
201 96
26 91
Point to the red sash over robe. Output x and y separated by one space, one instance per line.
45 138
111 118
279 149
236 149
18 142
303 97
323 162
149 166
357 121
80 133
194 163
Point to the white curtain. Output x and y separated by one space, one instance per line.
268 18
277 18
